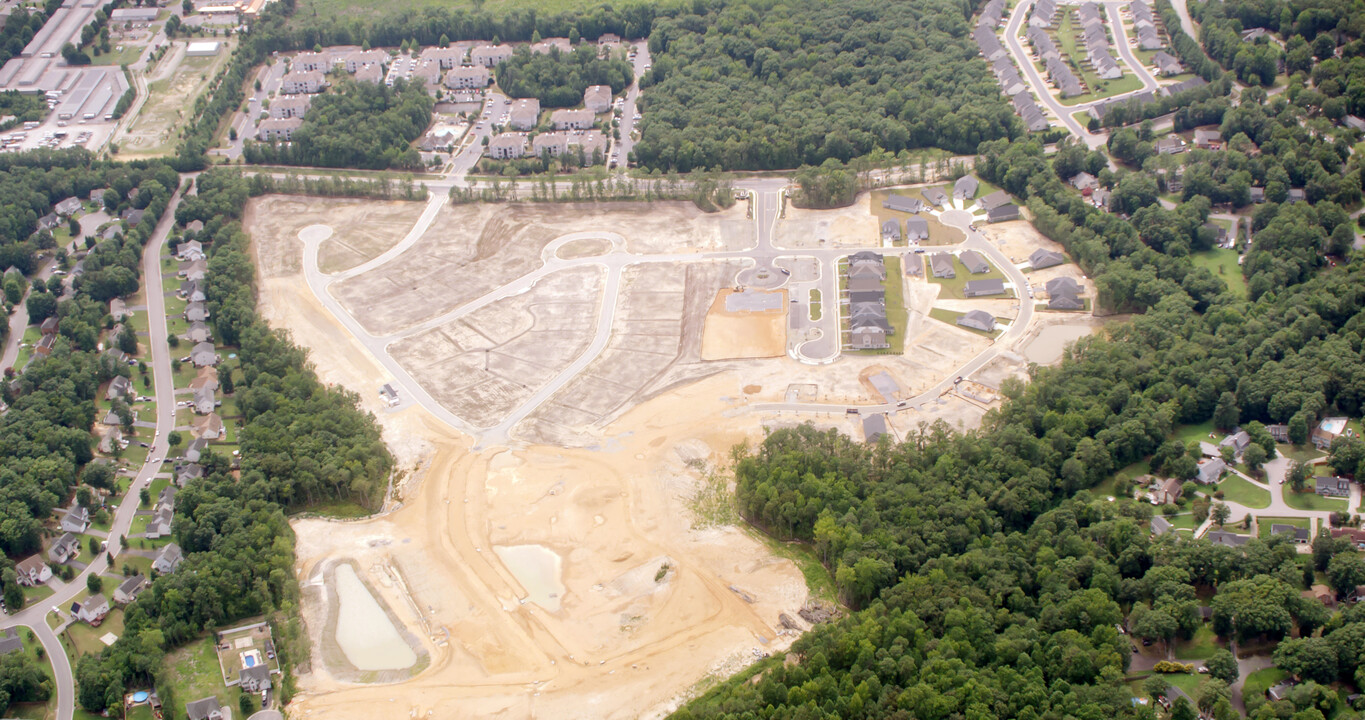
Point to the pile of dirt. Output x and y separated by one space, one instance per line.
817 611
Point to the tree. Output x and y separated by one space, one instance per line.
1155 686
13 594
94 583
1225 416
1309 658
41 306
127 339
1254 457
1182 710
1210 693
174 438
1298 476
1346 571
1222 665
1221 513
246 703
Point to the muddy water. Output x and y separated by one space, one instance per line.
1051 342
364 631
538 569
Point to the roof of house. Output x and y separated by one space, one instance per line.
935 196
132 584
1008 211
171 554
902 203
973 261
1063 286
1160 525
1043 258
1222 537
874 426
201 709
994 200
977 319
966 186
976 288
942 263
1298 532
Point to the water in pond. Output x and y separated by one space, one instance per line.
538 570
1051 342
364 631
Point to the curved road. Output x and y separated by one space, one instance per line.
34 616
1126 51
1038 84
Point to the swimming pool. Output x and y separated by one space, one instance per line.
249 661
140 696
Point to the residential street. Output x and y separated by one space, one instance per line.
34 616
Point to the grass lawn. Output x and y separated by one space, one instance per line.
896 313
1196 433
1265 522
127 55
950 317
1261 680
1188 682
1066 43
815 308
1199 647
1223 264
193 672
952 287
81 639
1312 501
1299 453
339 509
1183 521
1243 492
36 593
34 710
939 234
140 565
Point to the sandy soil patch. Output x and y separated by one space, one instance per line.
487 246
626 635
853 226
590 247
361 230
169 101
744 334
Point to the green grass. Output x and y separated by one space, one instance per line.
1183 521
34 710
1188 682
339 509
1243 492
953 287
127 56
818 580
816 309
1312 501
950 317
36 593
1299 453
1066 43
1261 680
1264 523
81 639
1197 433
193 673
1223 264
939 234
896 313
1200 647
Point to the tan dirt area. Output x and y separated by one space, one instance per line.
488 245
744 334
176 82
624 637
361 230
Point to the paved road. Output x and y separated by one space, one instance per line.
1186 23
35 616
1275 473
1126 51
621 150
1038 84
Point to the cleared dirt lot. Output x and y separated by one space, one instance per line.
485 364
731 335
623 643
176 82
473 249
361 229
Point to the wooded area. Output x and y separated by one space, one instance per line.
355 125
559 79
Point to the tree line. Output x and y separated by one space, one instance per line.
302 443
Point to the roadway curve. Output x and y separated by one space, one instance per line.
34 616
1036 81
1126 52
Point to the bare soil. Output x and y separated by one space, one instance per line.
741 335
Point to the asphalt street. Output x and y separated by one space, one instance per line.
34 616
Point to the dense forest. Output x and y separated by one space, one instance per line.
760 87
984 591
1312 32
355 125
302 443
559 79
